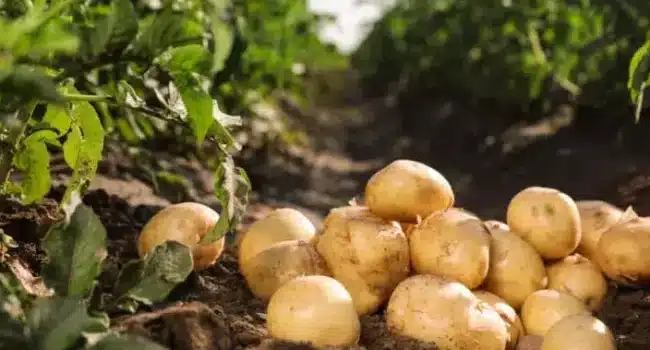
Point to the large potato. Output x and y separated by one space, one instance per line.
313 309
545 307
623 251
596 217
186 223
546 218
579 277
452 244
507 313
405 190
579 332
444 312
516 269
279 263
282 224
369 255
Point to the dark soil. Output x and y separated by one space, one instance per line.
215 310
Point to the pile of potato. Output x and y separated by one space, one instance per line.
441 274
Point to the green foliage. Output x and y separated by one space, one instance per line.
515 52
639 76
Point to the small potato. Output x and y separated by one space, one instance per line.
579 332
507 313
516 269
283 224
405 190
623 251
369 255
313 309
279 263
544 308
596 217
446 313
579 277
451 244
186 223
546 218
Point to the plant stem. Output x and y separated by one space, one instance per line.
15 135
85 98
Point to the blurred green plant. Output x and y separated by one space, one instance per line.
512 51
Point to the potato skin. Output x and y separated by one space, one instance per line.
315 309
186 223
546 307
579 332
507 313
546 218
596 217
516 269
367 254
405 190
453 244
282 224
623 251
280 263
444 312
579 277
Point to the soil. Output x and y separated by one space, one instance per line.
486 157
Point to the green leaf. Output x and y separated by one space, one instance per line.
116 29
187 59
12 332
58 118
26 82
639 70
232 188
222 32
198 104
84 146
116 341
76 249
152 278
34 160
167 29
58 323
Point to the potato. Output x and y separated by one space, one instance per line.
186 223
314 309
451 244
405 190
530 342
279 263
579 332
596 217
444 312
545 307
369 255
546 218
282 224
507 313
516 269
623 251
496 224
579 277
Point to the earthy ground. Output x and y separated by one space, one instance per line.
486 159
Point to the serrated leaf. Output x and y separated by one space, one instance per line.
118 28
58 323
116 341
152 278
76 249
232 188
34 160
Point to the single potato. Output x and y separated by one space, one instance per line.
579 332
446 313
452 244
186 223
516 269
530 342
545 307
579 277
282 224
368 254
313 309
596 217
623 251
546 218
405 190
507 313
280 263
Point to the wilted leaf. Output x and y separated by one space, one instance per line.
34 160
116 341
31 284
58 323
76 249
151 279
